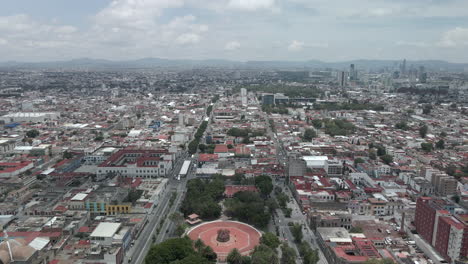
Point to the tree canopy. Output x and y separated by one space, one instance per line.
288 255
264 255
387 159
270 240
427 147
264 184
423 131
32 133
248 207
296 230
440 144
309 134
309 255
179 251
338 127
202 198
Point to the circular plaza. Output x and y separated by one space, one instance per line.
224 236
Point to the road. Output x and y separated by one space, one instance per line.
140 249
296 216
142 244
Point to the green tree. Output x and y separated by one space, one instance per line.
356 229
317 123
357 161
234 257
133 196
427 109
202 198
288 255
67 155
201 147
32 133
264 255
387 159
283 199
440 144
192 146
208 253
423 131
270 240
296 230
248 207
443 134
169 251
379 261
427 147
402 125
190 260
309 134
381 150
180 229
272 205
264 184
309 255
372 155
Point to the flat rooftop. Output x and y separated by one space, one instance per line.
105 230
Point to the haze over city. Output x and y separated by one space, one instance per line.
234 132
242 30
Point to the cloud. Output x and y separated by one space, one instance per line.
188 38
232 45
296 45
25 32
412 43
455 38
135 14
252 5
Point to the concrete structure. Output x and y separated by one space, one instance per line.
444 184
243 96
30 117
104 233
137 163
12 169
242 236
7 145
446 232
296 167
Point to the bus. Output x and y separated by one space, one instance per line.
184 170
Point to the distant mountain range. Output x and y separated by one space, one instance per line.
86 63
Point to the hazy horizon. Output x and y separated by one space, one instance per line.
236 30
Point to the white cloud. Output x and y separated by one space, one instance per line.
455 37
188 38
136 14
252 5
25 32
412 43
232 45
296 45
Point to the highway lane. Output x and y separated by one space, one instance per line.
142 244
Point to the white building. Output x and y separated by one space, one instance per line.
30 117
104 233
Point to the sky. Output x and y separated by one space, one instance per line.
242 30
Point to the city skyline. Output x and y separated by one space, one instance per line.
293 30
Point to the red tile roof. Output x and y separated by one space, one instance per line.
221 149
230 190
